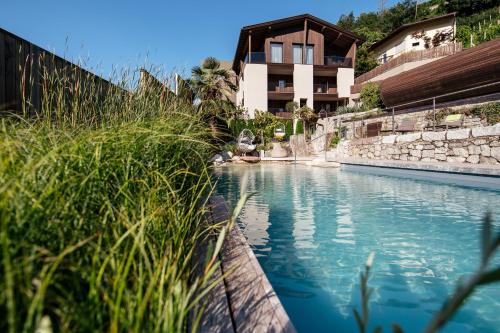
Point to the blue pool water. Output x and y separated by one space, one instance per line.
312 230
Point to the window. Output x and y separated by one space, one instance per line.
277 53
281 84
297 53
303 102
309 54
415 44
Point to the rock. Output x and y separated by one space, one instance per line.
458 134
438 144
462 152
473 159
440 157
495 144
403 157
389 139
441 150
429 147
487 160
413 158
479 142
486 131
455 144
404 151
416 153
495 152
485 150
452 159
217 158
474 150
236 158
426 159
427 153
226 155
434 136
409 137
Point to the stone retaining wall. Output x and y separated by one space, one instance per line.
331 123
476 145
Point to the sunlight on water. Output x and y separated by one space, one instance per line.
312 230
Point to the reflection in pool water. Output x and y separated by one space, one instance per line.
312 230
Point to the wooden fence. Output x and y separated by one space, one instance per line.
435 52
27 71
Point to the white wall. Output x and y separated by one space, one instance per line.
345 79
255 88
406 39
303 83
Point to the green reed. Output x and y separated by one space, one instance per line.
101 207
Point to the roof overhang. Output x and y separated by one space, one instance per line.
282 23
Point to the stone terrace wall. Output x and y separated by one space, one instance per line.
420 117
476 145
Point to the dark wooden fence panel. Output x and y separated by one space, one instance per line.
24 72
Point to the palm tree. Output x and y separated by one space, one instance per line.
210 82
213 88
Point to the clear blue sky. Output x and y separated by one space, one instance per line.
174 34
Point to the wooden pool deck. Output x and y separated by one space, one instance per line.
243 300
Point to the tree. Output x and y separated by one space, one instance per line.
210 82
370 96
213 88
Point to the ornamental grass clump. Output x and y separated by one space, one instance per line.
101 207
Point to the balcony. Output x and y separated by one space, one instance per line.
324 88
257 58
280 88
279 92
338 61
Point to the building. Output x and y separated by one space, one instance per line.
300 58
416 36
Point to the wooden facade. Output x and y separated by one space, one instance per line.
327 40
469 69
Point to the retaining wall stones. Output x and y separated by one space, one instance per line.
479 145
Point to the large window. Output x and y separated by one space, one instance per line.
297 53
309 54
276 53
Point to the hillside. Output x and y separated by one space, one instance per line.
478 21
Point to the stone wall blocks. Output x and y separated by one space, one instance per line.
458 134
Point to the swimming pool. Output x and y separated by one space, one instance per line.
312 230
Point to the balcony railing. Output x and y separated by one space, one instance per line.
324 88
257 58
338 61
276 87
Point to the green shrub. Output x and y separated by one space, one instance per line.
349 109
370 96
490 112
335 141
300 127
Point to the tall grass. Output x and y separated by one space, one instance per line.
101 207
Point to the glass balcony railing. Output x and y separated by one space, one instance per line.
273 86
324 88
257 58
338 61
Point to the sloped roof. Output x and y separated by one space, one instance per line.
285 22
409 26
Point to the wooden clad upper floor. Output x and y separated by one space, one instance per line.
302 39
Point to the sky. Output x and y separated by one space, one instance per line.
172 35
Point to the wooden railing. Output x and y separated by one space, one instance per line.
435 52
